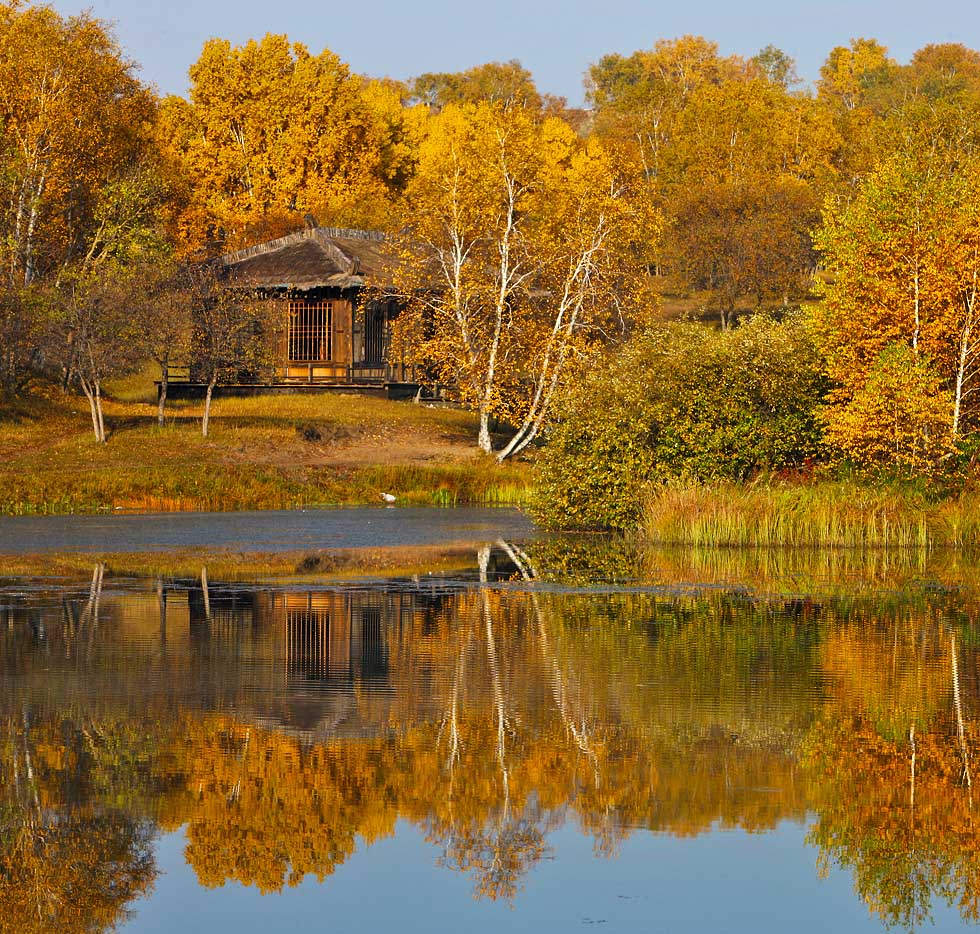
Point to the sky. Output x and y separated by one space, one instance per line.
555 40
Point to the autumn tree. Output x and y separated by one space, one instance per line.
495 82
230 335
520 249
127 226
905 260
735 160
162 313
775 66
98 335
881 107
737 242
898 421
852 73
944 71
25 337
272 132
75 125
638 98
748 131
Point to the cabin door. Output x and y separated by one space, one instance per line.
341 333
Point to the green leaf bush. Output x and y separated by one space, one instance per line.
681 401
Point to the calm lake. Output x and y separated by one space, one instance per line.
555 735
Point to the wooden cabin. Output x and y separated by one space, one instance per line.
334 290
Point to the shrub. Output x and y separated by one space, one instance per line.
681 401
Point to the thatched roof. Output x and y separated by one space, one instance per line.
316 257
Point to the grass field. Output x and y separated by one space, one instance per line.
264 452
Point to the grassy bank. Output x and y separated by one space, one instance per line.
271 452
320 566
832 514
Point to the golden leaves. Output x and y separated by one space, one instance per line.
523 246
75 120
273 132
905 259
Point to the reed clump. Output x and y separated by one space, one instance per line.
841 514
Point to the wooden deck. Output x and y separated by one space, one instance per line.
184 389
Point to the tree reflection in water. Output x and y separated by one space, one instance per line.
67 862
487 714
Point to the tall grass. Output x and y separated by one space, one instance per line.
837 514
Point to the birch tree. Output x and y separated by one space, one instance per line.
99 335
74 118
966 266
163 313
231 336
637 99
521 251
905 261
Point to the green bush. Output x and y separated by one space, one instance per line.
681 401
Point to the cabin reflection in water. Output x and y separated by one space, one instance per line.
313 651
328 638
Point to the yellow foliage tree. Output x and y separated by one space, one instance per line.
741 132
638 98
522 246
737 161
898 421
904 257
75 123
499 82
851 72
273 132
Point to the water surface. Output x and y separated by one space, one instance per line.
270 531
709 745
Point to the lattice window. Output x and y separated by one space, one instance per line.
310 331
374 334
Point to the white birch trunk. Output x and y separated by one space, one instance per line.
205 421
484 441
578 279
98 409
93 395
206 593
958 708
91 403
967 352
